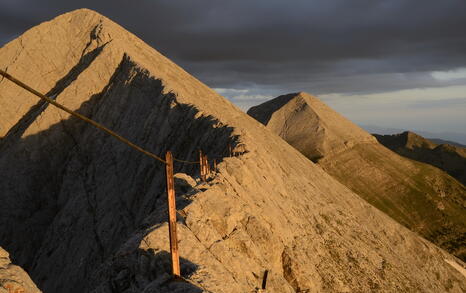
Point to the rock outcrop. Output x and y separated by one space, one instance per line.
450 158
83 213
419 196
14 279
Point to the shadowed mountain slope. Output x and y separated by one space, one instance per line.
83 213
419 196
450 158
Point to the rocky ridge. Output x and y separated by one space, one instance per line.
448 157
419 196
83 213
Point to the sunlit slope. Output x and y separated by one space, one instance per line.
83 213
419 196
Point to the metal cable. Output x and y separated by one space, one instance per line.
82 117
92 122
187 162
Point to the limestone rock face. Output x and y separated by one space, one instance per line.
14 278
421 197
83 213
184 183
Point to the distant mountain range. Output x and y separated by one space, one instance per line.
445 156
441 141
82 213
453 138
417 195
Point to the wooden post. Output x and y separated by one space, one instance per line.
201 166
215 166
264 279
204 164
230 150
207 165
172 215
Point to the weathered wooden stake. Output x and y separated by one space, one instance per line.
264 279
215 165
207 165
172 215
230 150
201 166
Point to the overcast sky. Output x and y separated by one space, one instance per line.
390 63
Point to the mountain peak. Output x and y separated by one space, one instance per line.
315 128
355 158
299 95
406 139
414 140
83 213
84 10
447 157
80 12
79 44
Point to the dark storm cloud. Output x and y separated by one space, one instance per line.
321 45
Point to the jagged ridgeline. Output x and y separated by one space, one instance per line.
446 156
419 196
81 212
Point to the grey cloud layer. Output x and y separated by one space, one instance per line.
320 46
